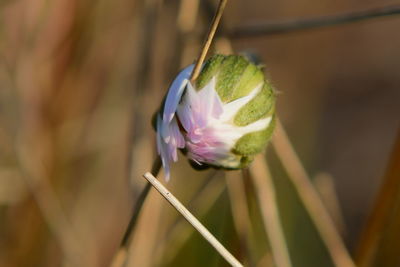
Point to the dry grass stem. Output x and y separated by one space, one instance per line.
240 211
157 163
266 260
120 256
149 229
324 184
269 28
310 198
270 213
179 233
192 220
383 211
265 190
207 43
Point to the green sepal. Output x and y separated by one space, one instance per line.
260 106
235 76
250 79
253 143
229 76
210 69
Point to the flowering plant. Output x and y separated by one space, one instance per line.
222 120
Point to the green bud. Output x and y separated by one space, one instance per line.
237 77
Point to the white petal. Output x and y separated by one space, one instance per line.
207 97
185 117
233 107
255 126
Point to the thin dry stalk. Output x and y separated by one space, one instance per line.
382 212
240 211
269 209
265 194
180 232
207 43
147 10
269 28
266 261
310 198
192 220
149 229
324 184
120 256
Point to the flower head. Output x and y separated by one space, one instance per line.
222 120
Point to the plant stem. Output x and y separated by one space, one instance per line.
269 28
139 204
120 256
310 198
207 43
265 190
240 213
192 220
382 214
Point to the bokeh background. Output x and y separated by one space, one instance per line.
80 80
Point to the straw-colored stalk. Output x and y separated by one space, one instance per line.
265 191
192 220
310 198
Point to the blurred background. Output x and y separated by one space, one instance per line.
80 80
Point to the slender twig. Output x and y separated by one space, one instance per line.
310 198
382 212
325 186
179 232
265 190
207 43
145 45
265 194
192 220
139 204
240 213
269 28
308 195
121 255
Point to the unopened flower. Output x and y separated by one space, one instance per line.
222 120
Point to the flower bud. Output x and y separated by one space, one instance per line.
223 120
